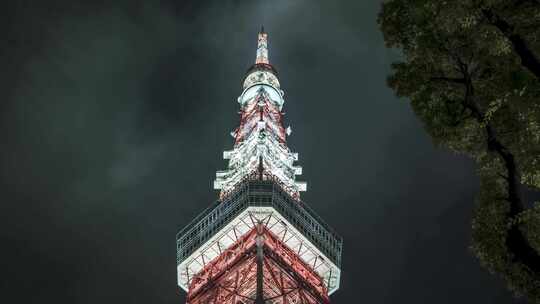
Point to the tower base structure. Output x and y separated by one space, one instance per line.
259 245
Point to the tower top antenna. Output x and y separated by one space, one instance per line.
262 47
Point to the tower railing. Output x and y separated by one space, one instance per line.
259 193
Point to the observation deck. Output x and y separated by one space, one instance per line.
261 200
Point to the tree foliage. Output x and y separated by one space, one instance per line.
471 71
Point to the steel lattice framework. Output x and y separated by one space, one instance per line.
258 265
259 243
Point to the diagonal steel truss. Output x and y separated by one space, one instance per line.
258 268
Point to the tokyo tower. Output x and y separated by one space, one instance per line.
259 243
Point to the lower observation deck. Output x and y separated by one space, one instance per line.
254 202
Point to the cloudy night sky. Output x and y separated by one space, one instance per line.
113 122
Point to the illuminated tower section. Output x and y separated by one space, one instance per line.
259 243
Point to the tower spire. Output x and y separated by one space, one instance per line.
262 47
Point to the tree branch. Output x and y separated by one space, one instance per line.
449 79
517 243
528 58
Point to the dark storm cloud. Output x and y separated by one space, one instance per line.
115 116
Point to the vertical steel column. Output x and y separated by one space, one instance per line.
260 256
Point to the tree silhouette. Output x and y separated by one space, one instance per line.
471 72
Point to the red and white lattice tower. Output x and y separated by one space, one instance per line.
259 243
